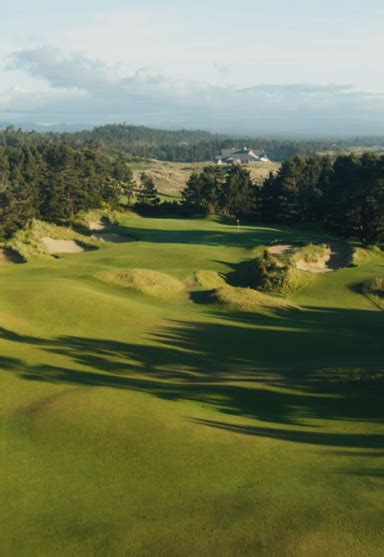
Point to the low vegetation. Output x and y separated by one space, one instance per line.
31 244
151 283
248 300
281 269
207 280
373 289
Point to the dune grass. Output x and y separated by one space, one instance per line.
373 289
29 244
207 280
247 299
145 281
136 425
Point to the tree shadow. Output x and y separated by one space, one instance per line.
291 373
246 237
366 440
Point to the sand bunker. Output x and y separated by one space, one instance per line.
334 257
62 246
9 256
98 225
321 265
281 249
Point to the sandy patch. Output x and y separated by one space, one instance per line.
319 266
97 225
61 246
335 257
281 249
9 256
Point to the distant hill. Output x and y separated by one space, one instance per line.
191 145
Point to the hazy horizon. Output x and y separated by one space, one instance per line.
272 69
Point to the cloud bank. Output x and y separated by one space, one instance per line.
73 88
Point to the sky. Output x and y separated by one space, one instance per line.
291 67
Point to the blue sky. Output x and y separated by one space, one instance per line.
287 66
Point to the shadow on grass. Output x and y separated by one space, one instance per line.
248 236
290 373
368 441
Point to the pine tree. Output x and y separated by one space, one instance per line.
124 177
148 194
238 192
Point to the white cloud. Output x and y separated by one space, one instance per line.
62 71
80 89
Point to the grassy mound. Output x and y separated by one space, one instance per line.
268 273
207 280
374 290
151 283
29 244
311 253
360 255
108 216
246 299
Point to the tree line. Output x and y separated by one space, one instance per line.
47 178
183 145
54 181
346 194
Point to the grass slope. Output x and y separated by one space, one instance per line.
131 425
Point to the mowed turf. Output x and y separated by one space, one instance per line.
133 425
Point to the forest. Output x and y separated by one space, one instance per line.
186 145
346 194
51 178
54 181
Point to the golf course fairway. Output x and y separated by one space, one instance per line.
147 422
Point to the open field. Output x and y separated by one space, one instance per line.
170 177
140 424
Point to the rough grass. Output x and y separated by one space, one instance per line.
271 274
248 300
29 245
145 281
112 218
207 280
373 289
310 253
361 255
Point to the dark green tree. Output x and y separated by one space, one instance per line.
148 194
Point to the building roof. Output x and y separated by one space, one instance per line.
243 155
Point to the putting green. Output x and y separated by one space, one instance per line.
137 425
